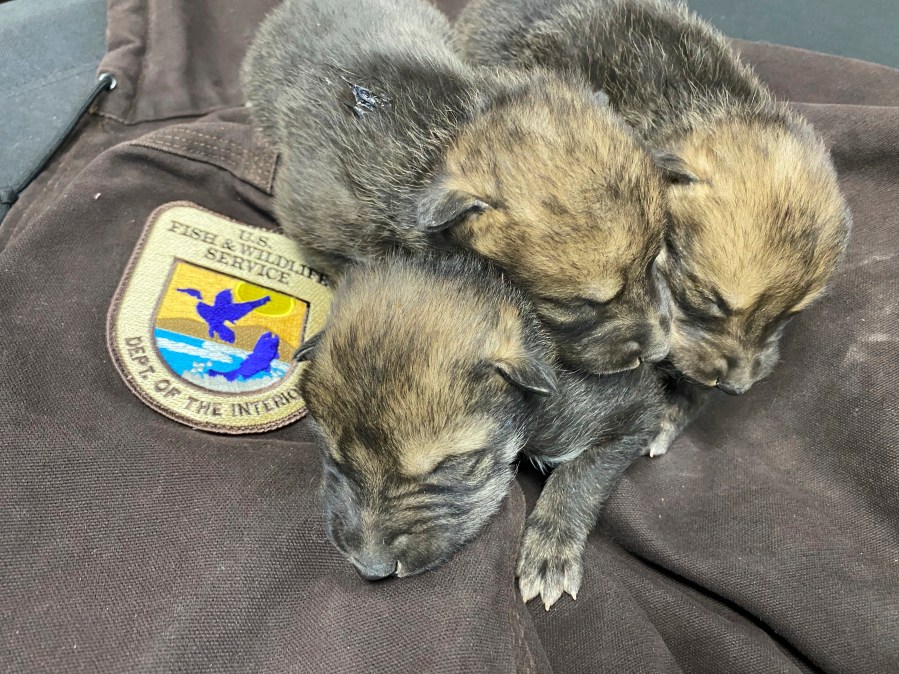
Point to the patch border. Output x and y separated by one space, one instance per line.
112 334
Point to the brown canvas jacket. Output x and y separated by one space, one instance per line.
765 541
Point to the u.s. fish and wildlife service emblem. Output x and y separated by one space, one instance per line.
207 317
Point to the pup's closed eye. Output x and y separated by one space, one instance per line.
577 304
455 468
703 304
593 303
715 305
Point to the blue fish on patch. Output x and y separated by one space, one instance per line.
223 310
260 360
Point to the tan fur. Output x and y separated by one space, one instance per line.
579 205
758 224
398 144
419 456
432 381
759 190
757 236
503 343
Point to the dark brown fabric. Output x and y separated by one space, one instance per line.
765 541
132 542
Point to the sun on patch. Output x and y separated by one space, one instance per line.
207 317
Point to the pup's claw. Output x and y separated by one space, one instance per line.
657 448
549 567
528 588
551 593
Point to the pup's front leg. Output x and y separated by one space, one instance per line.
551 557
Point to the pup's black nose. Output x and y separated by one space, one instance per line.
732 389
375 570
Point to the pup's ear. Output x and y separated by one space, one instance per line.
442 208
530 374
307 348
674 168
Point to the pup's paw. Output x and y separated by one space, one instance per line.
549 565
662 441
658 446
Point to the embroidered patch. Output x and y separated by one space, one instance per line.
206 319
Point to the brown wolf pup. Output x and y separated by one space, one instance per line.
758 224
388 140
429 378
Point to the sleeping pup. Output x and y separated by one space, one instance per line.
758 224
388 140
430 377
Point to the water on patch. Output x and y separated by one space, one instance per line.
192 358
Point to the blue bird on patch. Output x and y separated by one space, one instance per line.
260 360
223 310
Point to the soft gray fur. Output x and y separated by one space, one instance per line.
346 189
663 69
388 140
604 423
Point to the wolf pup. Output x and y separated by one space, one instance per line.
758 224
388 140
429 378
